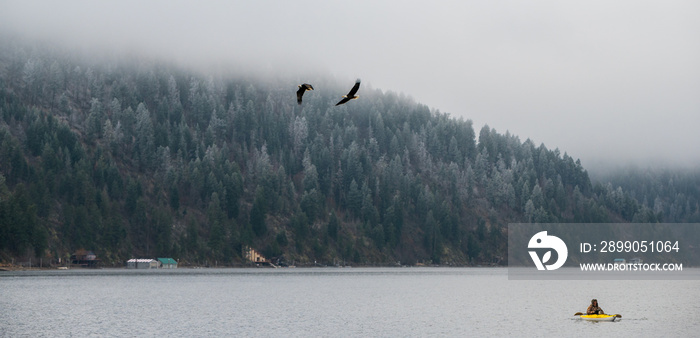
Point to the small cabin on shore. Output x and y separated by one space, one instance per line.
84 258
142 263
167 263
253 256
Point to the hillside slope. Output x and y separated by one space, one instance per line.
137 158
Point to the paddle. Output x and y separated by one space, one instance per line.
578 314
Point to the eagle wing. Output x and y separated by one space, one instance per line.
300 93
345 99
354 89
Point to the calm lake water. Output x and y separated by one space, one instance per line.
395 302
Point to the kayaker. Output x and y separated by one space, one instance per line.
594 309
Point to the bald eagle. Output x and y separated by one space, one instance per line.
303 88
351 95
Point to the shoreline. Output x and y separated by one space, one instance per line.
242 267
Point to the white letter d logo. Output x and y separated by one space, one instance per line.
541 241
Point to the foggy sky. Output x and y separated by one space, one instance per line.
604 81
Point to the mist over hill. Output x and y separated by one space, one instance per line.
672 193
134 158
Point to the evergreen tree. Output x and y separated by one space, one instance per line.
258 214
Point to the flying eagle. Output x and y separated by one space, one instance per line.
351 95
303 88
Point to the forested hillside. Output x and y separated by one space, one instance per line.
673 195
144 159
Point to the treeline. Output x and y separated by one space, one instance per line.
670 195
137 158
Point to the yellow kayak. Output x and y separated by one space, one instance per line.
600 318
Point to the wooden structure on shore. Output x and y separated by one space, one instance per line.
84 258
255 257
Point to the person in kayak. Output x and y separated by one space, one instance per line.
594 309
